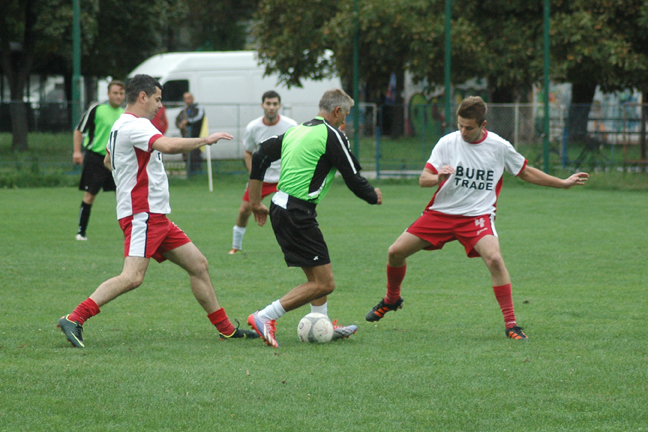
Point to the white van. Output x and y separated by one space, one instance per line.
229 86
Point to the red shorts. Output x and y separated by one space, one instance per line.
266 189
440 228
150 235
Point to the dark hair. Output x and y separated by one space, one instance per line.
141 83
271 94
116 83
473 107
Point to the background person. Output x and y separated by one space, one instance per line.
193 123
310 153
135 156
268 125
95 125
467 166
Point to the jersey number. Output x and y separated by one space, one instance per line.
111 144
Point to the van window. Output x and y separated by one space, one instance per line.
172 91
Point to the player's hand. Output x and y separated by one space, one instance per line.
379 196
260 213
77 158
215 137
576 179
445 172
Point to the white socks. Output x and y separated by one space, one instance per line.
272 312
320 309
275 311
237 237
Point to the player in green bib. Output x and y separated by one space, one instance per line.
310 154
93 131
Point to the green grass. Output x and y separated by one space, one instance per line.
153 362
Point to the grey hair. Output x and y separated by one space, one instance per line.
335 98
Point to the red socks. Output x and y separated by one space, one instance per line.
84 311
395 276
505 300
221 321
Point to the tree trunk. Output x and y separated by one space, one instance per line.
581 102
17 67
19 126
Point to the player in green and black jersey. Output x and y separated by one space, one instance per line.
92 132
310 154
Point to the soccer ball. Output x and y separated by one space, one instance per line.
315 328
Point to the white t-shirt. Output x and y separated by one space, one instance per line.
139 174
258 131
474 187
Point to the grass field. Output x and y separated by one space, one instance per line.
153 362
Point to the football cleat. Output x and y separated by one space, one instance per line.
73 331
234 251
379 311
80 237
265 329
240 333
340 332
515 333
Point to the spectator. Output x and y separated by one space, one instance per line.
193 123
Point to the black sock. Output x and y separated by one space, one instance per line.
84 217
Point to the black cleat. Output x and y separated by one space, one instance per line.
515 333
379 311
240 333
73 331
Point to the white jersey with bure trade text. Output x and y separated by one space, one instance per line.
258 131
142 184
474 187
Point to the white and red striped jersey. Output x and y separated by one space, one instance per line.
258 131
142 184
474 187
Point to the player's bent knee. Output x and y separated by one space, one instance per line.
396 254
326 288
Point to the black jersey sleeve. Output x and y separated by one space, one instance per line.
268 152
339 152
87 120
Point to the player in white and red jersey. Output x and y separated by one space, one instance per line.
134 154
467 167
270 124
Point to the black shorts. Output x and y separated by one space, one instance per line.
298 234
95 175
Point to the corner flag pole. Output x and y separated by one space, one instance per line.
204 131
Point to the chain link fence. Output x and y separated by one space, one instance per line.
396 140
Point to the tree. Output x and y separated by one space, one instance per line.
224 26
30 30
597 43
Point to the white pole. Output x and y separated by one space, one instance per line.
209 169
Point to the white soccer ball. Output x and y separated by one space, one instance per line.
315 328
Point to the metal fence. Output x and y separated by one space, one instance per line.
398 139
594 136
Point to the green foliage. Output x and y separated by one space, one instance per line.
594 42
293 37
601 41
153 362
224 28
